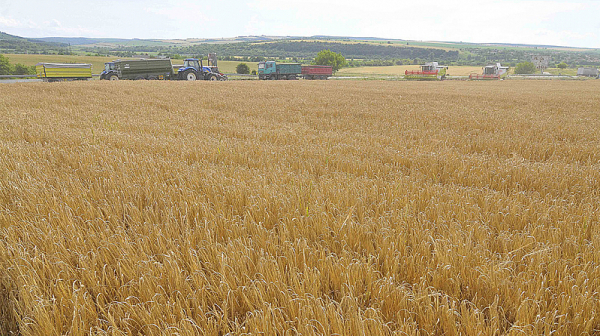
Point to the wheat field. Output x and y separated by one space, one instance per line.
300 208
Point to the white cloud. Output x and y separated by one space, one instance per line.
9 22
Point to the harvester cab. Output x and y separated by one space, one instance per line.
110 72
191 70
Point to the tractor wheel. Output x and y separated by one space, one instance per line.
212 78
113 77
190 75
223 78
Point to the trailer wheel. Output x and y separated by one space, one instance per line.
190 75
272 77
291 77
113 77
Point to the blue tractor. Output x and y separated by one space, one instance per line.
192 70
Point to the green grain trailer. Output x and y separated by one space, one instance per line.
138 69
272 70
54 72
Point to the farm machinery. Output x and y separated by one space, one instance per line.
491 72
429 71
317 71
192 70
54 72
272 70
137 69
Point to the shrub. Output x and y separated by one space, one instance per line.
525 68
242 68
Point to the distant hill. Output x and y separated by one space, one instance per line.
119 42
81 40
108 42
360 50
16 44
352 38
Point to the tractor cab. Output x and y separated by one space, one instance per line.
110 71
192 63
109 66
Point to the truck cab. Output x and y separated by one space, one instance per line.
194 70
110 71
265 69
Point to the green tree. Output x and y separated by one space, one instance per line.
242 68
525 68
21 69
328 57
562 65
4 65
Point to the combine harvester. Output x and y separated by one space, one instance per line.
429 71
56 72
491 72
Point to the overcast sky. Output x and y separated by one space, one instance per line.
559 22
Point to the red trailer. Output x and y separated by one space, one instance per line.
317 71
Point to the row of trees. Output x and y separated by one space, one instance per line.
324 57
14 69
